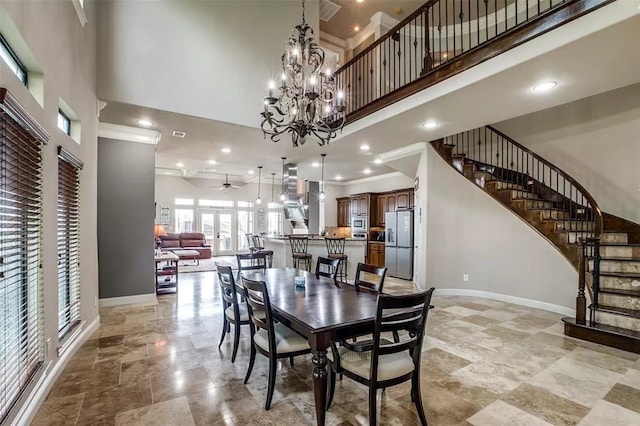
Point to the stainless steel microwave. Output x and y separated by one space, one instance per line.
359 223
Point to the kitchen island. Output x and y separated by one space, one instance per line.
354 249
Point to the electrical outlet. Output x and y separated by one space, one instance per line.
465 277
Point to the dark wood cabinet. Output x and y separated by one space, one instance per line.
360 205
381 209
376 254
344 211
402 200
391 203
411 199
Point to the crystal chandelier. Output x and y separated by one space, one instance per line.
306 103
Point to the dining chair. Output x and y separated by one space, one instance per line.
327 267
386 363
234 312
370 277
250 243
252 262
258 246
299 245
335 250
272 339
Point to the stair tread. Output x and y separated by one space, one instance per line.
618 245
621 274
635 313
618 259
606 328
634 293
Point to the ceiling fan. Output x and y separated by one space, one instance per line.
226 184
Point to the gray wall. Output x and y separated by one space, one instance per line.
125 218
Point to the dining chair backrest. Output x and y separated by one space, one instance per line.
251 261
335 245
394 313
326 267
255 292
299 244
257 243
228 288
370 277
250 243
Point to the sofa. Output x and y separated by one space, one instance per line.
186 241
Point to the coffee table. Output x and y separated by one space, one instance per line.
188 255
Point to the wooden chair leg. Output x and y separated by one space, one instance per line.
417 397
332 387
273 364
252 359
291 361
372 406
224 331
236 341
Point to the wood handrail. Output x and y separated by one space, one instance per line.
599 221
387 35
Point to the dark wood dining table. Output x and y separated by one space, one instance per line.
322 312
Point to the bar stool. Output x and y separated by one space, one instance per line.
259 247
299 245
335 250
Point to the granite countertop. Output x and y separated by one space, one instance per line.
281 238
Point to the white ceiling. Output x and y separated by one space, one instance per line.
588 56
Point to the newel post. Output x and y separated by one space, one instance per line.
581 300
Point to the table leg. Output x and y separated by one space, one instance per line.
319 360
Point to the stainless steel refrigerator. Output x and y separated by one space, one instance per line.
398 246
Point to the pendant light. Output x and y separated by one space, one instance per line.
322 181
259 200
273 184
282 194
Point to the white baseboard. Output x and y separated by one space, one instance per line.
144 299
51 373
506 298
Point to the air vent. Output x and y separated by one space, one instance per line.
179 134
328 9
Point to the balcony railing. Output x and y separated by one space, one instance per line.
438 36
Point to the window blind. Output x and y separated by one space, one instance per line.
68 242
21 295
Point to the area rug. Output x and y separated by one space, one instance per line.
206 265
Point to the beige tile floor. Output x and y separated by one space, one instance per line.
484 363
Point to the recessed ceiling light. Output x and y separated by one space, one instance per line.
212 161
251 172
377 161
356 28
145 123
430 125
180 165
364 147
315 164
226 150
366 171
360 1
338 177
544 86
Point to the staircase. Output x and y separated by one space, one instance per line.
604 249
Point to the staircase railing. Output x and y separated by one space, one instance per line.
438 34
555 193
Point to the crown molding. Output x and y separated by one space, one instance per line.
332 39
405 151
377 20
374 178
129 134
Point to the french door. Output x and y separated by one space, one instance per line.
218 228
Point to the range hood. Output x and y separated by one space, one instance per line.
302 202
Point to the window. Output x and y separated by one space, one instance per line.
245 226
245 204
184 220
68 242
215 203
64 123
184 201
274 223
21 288
12 61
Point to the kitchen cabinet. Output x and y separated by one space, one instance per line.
391 203
360 205
381 209
376 254
344 211
402 200
411 199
